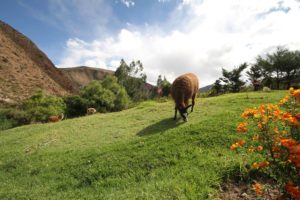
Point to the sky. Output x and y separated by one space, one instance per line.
170 37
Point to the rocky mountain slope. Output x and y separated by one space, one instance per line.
82 75
24 68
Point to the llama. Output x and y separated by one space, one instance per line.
183 88
56 118
91 111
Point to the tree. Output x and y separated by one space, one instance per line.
255 74
166 87
163 86
98 97
75 106
106 95
291 67
41 106
133 79
232 79
281 67
121 97
216 88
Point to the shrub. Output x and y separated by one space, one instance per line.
106 95
75 106
276 138
266 89
12 117
41 106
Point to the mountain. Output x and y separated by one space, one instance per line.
206 88
24 68
82 75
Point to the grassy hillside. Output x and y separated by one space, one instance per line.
140 153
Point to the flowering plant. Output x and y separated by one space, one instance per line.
275 136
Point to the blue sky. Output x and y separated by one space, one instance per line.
170 37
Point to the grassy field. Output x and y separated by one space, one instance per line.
139 153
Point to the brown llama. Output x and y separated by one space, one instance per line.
183 88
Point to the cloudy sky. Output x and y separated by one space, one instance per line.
170 37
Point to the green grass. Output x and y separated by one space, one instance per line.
139 153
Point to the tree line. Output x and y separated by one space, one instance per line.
278 70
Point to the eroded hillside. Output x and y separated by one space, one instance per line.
24 68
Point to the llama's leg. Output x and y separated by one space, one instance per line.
175 113
193 102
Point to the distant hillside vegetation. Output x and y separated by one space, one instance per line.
206 88
82 75
24 68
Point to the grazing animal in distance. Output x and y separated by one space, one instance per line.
56 118
183 88
91 111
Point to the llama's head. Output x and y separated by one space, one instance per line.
184 112
61 116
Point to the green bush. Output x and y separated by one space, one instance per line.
75 106
266 89
106 95
41 106
12 117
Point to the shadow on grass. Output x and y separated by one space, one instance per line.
160 127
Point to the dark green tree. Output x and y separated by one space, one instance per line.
165 86
75 106
105 95
98 97
217 88
133 79
281 67
255 74
232 79
121 97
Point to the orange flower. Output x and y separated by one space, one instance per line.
263 164
255 165
295 159
284 100
251 149
295 149
234 146
276 130
293 190
260 126
288 142
255 137
242 142
242 127
260 148
249 113
257 188
296 93
295 155
237 144
275 149
291 90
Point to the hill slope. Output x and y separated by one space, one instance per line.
82 75
139 153
24 68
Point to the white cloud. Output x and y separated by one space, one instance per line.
128 3
211 34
